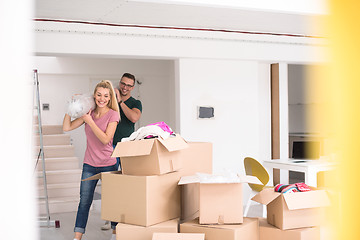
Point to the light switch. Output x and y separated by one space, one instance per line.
46 107
205 112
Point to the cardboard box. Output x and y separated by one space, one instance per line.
196 158
217 202
269 232
293 210
248 230
178 236
134 232
139 200
150 156
190 200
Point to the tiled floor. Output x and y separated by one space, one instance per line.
94 232
66 230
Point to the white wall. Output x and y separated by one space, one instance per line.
231 87
234 89
61 77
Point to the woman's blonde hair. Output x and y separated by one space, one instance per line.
113 104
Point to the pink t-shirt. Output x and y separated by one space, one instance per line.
97 154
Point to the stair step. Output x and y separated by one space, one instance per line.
35 119
63 173
49 129
59 205
65 163
60 190
57 151
61 176
54 139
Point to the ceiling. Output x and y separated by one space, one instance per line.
175 14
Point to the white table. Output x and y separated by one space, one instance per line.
309 167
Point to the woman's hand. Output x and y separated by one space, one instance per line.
87 117
104 136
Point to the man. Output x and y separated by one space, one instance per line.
130 108
130 113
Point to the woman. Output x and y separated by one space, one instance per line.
100 126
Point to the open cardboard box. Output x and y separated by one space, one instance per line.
134 232
139 200
196 158
150 156
178 236
294 210
248 230
190 199
216 199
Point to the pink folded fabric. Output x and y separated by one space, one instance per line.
163 126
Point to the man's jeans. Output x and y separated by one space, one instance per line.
87 189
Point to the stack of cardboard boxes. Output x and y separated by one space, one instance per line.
145 199
295 216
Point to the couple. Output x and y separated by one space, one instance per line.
113 118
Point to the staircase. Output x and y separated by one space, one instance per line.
63 173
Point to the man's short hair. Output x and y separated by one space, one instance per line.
129 75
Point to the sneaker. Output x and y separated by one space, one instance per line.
106 226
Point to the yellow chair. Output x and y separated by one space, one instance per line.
255 168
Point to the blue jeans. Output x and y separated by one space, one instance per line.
118 161
87 189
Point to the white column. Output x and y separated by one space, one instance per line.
284 118
17 204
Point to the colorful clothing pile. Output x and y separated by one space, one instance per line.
296 187
159 129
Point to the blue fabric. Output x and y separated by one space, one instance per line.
118 163
87 189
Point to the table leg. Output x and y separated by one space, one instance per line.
311 177
284 176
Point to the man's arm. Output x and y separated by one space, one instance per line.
132 114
